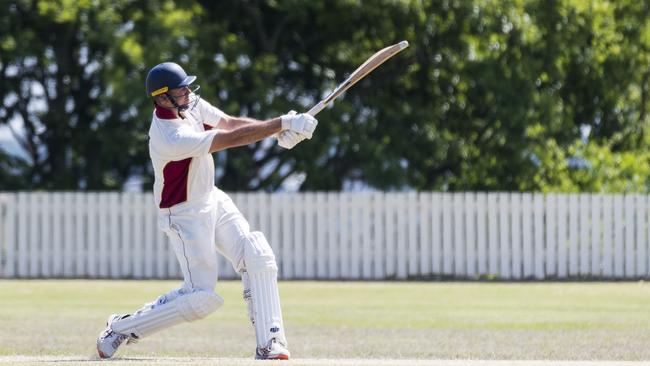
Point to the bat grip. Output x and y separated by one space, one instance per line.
312 112
317 108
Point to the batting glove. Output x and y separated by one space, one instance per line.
303 124
288 139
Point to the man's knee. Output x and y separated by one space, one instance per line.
258 255
198 304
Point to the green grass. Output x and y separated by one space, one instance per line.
395 320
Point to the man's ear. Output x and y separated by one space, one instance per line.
159 99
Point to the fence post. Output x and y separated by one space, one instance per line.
322 234
7 251
57 234
68 207
641 236
401 253
150 251
447 243
470 235
630 244
481 234
412 241
91 238
527 214
424 206
619 239
515 238
574 227
493 232
538 203
584 234
379 225
298 212
504 236
103 223
367 247
114 211
287 236
562 236
551 235
310 209
333 238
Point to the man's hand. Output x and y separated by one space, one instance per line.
302 124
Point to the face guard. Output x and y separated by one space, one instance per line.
191 95
168 76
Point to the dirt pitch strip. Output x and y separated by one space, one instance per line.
78 360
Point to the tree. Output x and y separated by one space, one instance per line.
71 72
491 95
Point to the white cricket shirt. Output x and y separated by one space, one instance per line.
179 150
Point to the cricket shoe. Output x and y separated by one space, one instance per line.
275 350
109 341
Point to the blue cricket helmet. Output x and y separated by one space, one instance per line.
165 76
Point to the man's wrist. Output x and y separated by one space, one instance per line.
286 122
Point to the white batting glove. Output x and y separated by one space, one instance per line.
303 124
288 139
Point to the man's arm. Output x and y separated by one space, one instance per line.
230 123
245 131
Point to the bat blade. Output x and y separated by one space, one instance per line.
370 64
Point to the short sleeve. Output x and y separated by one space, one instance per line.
182 143
210 114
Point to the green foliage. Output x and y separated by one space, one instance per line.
492 95
72 74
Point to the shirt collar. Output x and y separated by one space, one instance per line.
164 113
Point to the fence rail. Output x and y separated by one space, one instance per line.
470 235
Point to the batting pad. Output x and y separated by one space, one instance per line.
187 308
266 305
263 279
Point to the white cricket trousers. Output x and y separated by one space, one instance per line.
197 230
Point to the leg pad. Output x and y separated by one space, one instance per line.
186 308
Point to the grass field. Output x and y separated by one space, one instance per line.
57 321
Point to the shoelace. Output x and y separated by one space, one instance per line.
264 351
117 341
130 340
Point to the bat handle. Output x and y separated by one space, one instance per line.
313 111
317 108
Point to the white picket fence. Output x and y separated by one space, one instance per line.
507 236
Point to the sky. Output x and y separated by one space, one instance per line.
8 143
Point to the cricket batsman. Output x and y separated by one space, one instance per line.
200 219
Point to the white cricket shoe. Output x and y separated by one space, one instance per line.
108 341
275 350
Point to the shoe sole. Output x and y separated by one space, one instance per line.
279 357
101 354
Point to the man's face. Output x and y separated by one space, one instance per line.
180 95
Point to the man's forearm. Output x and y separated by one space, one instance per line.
236 122
248 133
